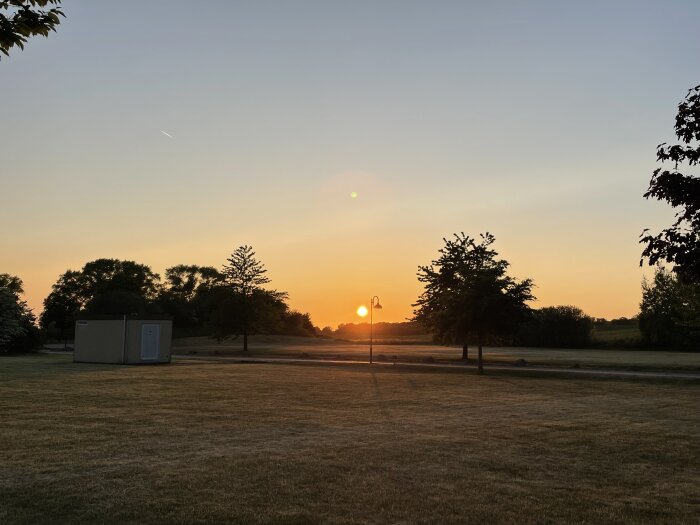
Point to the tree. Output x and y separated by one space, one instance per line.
679 244
670 311
297 323
231 313
250 304
184 296
468 295
21 19
11 283
102 286
557 327
185 281
67 298
244 273
18 331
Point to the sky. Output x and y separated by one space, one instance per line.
344 140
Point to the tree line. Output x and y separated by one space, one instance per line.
468 300
201 300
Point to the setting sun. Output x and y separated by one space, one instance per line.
362 311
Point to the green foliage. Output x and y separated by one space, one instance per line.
103 286
679 244
186 281
20 19
297 323
468 294
11 283
232 314
556 327
185 296
670 312
18 330
244 306
200 299
244 273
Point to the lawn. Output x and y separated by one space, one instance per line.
304 444
286 346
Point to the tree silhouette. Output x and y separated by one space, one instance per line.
469 296
102 286
22 20
185 280
11 283
244 276
679 244
185 295
244 273
670 311
18 331
556 326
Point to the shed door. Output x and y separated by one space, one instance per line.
150 341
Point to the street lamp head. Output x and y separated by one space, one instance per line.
378 306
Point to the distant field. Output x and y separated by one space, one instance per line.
611 334
283 444
398 339
328 348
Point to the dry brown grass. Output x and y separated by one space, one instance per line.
287 346
283 444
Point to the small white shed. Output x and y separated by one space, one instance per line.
122 340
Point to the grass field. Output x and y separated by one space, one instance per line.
285 346
625 335
283 444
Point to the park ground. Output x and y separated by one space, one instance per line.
419 350
196 442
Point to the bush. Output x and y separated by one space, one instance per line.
670 312
18 330
297 323
556 326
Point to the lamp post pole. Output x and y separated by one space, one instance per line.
371 307
374 303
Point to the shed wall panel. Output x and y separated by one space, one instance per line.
99 341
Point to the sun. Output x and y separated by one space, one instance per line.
362 311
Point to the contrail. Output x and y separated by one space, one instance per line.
166 134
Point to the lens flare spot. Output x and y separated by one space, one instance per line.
353 195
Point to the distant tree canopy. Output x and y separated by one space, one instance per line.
670 312
18 331
186 295
556 327
298 323
103 286
680 243
21 19
11 283
468 294
201 299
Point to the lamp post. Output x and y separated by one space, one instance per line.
374 303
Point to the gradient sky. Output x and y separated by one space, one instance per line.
536 121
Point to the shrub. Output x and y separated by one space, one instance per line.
18 330
556 326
